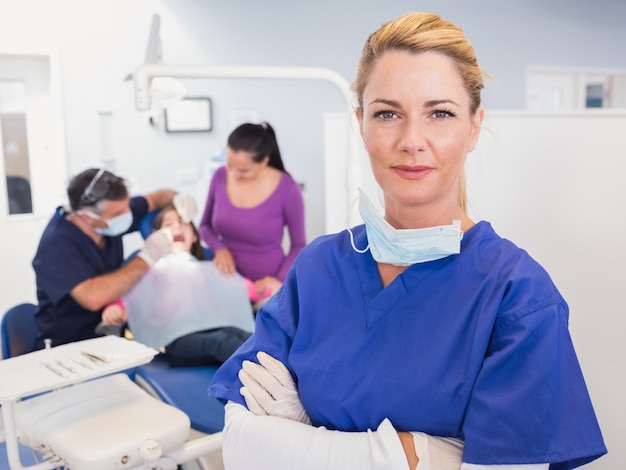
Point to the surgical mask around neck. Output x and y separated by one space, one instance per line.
404 247
116 226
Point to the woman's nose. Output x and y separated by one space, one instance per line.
413 137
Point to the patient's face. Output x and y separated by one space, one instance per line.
182 234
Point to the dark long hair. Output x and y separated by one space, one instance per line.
258 139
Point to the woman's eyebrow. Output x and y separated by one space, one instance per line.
431 103
393 103
427 104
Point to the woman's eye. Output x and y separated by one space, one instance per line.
442 113
385 114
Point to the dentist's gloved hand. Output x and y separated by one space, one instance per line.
186 207
156 246
269 389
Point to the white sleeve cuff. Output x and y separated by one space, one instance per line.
268 442
444 453
437 453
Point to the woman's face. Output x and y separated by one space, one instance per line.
183 235
241 166
417 128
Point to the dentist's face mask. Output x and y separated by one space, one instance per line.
116 226
404 247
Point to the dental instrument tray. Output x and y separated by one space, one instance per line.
70 404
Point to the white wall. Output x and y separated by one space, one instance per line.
102 41
553 184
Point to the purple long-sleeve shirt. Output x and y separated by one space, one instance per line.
254 235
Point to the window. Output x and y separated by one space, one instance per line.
14 141
560 88
594 95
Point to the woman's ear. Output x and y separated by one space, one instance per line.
358 113
477 124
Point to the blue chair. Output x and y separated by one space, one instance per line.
186 389
146 224
18 333
18 330
26 456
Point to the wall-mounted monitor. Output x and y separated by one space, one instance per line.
192 114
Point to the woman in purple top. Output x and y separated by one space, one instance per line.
250 202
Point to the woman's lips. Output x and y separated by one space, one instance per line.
413 172
178 238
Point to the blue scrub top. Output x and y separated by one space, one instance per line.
474 346
66 256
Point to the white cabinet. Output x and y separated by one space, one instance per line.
560 89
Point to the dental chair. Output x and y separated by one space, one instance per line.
73 405
17 333
182 387
185 388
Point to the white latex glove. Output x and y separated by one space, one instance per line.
186 207
269 389
157 245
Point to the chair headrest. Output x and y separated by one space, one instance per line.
146 224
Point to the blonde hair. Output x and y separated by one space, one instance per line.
419 32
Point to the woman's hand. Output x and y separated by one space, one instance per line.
224 262
269 389
114 315
267 286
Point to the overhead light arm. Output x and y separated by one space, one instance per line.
145 73
153 51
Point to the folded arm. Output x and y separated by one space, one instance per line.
270 392
269 442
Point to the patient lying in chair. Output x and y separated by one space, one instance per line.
183 306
